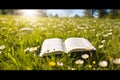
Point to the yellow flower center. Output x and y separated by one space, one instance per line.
52 63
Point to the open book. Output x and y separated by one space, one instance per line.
58 46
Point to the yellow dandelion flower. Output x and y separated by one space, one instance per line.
94 62
52 63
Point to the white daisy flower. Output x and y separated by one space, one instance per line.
2 47
109 34
26 50
103 63
60 63
85 56
97 35
116 61
105 35
100 46
26 29
102 41
93 30
32 49
79 61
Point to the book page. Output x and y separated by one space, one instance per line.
52 45
77 44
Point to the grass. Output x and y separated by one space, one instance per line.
13 57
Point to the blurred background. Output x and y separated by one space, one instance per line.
88 13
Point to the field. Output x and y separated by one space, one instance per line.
21 39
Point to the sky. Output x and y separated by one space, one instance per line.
60 12
63 12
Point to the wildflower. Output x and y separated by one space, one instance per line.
54 26
26 50
85 30
105 35
52 63
101 46
60 63
69 32
94 20
94 62
3 28
90 66
110 30
79 61
75 29
103 63
2 47
26 29
97 35
102 41
0 52
32 49
82 28
85 56
43 29
94 69
109 34
87 27
73 69
93 30
116 61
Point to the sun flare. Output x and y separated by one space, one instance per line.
29 12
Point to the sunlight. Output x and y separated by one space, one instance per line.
29 12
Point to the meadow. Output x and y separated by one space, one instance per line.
21 39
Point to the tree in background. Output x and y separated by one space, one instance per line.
77 16
3 11
42 13
114 13
89 13
102 13
56 15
